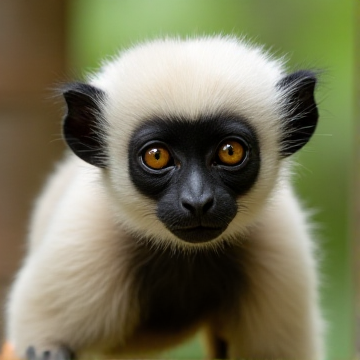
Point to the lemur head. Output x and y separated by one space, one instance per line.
191 135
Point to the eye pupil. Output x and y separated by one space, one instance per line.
230 150
157 155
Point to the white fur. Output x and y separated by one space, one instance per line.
76 288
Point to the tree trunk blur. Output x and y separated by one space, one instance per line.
32 63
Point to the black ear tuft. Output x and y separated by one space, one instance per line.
301 110
82 125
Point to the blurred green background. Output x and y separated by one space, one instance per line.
313 34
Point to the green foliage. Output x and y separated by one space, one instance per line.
315 34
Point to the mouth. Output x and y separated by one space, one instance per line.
198 234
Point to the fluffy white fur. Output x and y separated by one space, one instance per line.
75 286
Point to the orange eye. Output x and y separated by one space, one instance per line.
156 157
231 152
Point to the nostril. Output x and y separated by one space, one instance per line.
198 207
188 206
207 206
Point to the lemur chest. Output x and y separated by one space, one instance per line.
178 291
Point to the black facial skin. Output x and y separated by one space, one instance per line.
196 194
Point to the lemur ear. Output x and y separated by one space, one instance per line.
83 126
300 108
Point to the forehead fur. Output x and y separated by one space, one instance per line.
191 77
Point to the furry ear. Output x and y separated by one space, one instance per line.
301 110
83 126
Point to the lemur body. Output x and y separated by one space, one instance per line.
179 214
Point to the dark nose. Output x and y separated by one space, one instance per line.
198 206
197 195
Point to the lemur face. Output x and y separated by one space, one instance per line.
191 135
